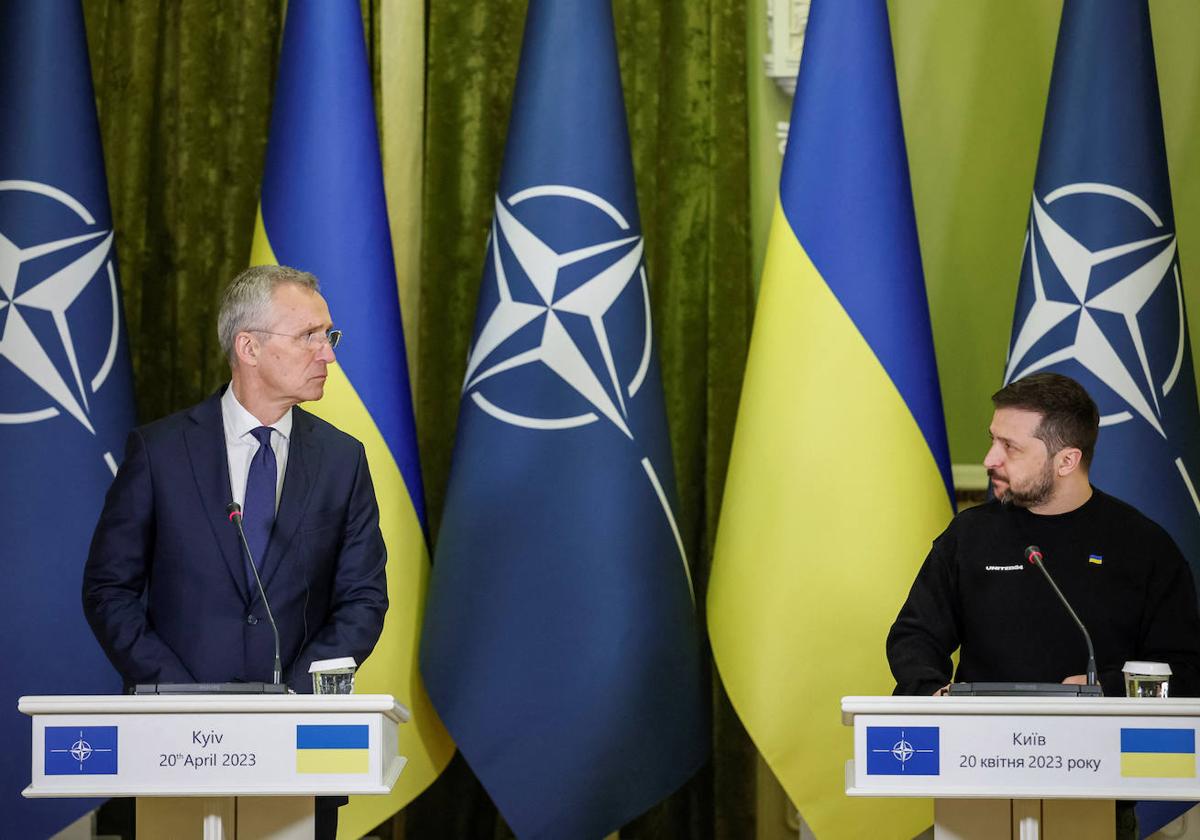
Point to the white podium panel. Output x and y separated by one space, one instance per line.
216 767
1023 747
213 745
1028 767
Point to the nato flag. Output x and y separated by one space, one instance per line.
903 751
80 751
1100 298
560 642
65 392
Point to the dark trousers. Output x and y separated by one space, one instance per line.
325 816
1127 822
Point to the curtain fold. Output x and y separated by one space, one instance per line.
183 91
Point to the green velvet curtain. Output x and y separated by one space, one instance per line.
184 92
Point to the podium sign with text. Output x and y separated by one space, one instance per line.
295 745
1023 747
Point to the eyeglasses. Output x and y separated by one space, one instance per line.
313 340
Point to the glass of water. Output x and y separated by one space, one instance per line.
1147 679
333 676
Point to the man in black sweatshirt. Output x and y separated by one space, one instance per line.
976 592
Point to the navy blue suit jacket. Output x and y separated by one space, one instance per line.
164 588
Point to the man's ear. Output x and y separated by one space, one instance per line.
246 349
1068 460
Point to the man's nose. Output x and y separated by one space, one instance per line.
991 458
326 354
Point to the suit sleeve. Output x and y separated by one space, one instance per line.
118 565
925 632
359 599
1170 625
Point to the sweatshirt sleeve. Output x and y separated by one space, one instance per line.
925 632
1170 624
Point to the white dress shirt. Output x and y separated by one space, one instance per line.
240 444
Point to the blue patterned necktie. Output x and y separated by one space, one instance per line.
258 512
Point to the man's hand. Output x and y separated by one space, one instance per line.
1077 679
943 691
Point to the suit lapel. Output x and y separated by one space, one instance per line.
303 462
205 441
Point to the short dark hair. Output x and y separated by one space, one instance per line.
1069 415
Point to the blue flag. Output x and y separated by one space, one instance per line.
1100 298
65 384
560 641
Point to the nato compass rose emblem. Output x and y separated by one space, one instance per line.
1089 299
39 282
81 750
555 312
903 751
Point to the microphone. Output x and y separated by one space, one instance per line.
1034 555
235 516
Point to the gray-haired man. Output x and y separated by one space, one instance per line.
167 589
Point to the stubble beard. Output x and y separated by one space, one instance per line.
1036 493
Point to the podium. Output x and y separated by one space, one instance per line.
216 766
1023 767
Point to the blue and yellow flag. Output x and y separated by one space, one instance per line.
1101 297
341 749
839 477
323 211
561 643
66 392
1158 753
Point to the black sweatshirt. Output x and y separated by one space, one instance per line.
1121 572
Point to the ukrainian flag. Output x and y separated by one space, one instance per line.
839 477
323 211
335 749
1158 753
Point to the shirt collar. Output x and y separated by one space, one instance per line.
239 422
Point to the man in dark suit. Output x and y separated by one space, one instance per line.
167 588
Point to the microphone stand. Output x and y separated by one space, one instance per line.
235 516
1034 555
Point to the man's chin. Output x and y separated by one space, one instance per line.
314 392
1005 494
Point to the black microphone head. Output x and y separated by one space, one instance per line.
233 509
1033 554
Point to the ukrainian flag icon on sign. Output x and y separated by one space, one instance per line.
903 751
1158 753
332 748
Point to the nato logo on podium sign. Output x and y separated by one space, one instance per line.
903 751
81 750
